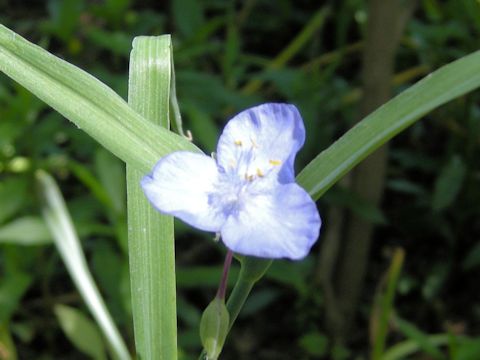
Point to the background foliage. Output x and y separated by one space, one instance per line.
228 56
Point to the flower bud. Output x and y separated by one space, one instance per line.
214 327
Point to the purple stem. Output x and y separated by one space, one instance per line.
223 283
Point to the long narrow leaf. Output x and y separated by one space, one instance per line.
66 240
82 332
384 305
150 235
87 102
405 349
9 351
445 84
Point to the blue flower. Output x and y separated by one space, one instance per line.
248 192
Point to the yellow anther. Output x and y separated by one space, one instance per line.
238 142
275 162
259 172
249 177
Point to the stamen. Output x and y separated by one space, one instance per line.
254 144
249 177
238 142
259 172
275 162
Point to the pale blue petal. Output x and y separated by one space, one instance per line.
262 141
281 224
181 185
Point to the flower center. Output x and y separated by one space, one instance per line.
230 193
246 177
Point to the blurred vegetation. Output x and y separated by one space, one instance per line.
228 56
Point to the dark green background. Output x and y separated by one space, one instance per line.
431 197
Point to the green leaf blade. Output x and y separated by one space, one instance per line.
151 235
87 102
448 183
81 331
12 289
447 83
58 220
27 230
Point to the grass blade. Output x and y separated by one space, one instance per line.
407 348
9 351
82 332
87 102
384 305
422 339
27 230
66 240
150 234
447 83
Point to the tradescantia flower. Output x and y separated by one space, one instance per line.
248 192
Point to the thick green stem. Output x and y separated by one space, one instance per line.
252 270
237 298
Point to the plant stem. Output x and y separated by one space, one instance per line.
223 282
237 298
235 301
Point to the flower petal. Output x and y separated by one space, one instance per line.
282 224
181 184
262 140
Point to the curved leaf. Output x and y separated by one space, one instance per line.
87 102
447 83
